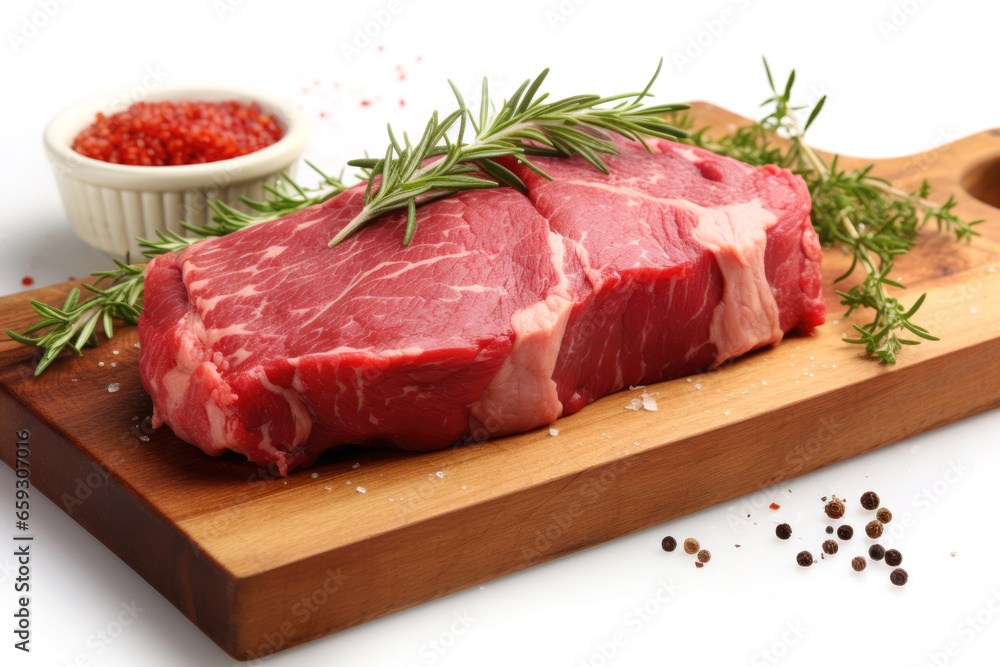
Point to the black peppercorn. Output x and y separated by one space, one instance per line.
869 500
691 545
899 577
783 531
668 543
859 563
805 559
884 515
704 556
845 532
893 558
876 552
830 547
829 530
834 509
873 530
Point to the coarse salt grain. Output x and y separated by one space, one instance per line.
113 364
355 466
973 311
634 405
314 475
100 363
689 379
633 387
726 413
113 387
648 402
764 382
697 386
361 489
553 431
440 474
144 438
114 351
136 346
463 488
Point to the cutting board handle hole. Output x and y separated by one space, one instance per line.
982 181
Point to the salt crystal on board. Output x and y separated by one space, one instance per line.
440 474
314 475
553 431
361 489
648 402
634 405
113 387
355 466
100 363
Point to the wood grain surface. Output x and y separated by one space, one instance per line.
261 563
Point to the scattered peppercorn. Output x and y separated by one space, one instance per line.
668 543
823 499
859 563
845 532
699 564
899 577
869 500
874 530
884 515
783 531
829 530
704 556
876 552
805 559
834 509
893 558
830 547
691 545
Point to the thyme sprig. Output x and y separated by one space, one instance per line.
525 125
870 219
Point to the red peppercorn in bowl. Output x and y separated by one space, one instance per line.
157 134
127 168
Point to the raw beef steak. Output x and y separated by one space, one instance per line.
504 313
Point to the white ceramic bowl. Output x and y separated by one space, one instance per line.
109 205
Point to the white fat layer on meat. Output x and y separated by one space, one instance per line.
736 234
300 414
523 393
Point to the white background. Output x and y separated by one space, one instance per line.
901 76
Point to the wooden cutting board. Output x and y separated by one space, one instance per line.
260 564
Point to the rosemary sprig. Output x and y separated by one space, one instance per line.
74 325
526 124
285 198
867 217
